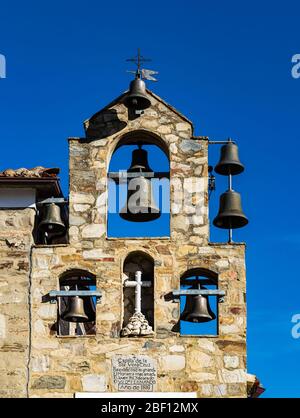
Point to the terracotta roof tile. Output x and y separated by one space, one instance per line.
37 172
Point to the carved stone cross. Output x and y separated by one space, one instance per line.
137 324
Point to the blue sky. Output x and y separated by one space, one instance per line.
227 67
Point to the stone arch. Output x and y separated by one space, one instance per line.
139 135
198 314
200 271
160 185
76 279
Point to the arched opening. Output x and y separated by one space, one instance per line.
76 315
199 313
139 187
134 263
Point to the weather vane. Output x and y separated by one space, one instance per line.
142 72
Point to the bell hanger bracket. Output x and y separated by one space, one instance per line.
122 175
204 292
57 200
54 294
222 142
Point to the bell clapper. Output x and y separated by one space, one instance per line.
230 241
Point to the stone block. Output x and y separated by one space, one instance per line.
2 326
198 361
94 383
82 198
93 254
49 382
40 364
231 362
93 231
172 363
232 376
177 349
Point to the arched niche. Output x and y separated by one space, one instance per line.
146 137
138 261
194 279
76 279
121 158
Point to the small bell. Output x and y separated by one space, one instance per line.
52 222
197 309
139 161
230 215
229 161
136 98
75 311
140 206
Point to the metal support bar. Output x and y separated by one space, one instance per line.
204 292
54 294
230 240
123 176
221 142
53 200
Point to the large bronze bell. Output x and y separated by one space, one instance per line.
197 309
230 214
140 206
52 222
136 97
229 161
75 311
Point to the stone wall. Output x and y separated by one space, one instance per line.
61 366
212 366
15 245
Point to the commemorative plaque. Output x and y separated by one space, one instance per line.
134 373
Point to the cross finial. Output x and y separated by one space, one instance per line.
138 60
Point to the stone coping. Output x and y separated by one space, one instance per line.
154 336
234 244
49 245
138 238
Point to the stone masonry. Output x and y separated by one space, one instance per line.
15 248
33 356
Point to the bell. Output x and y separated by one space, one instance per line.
197 309
52 222
75 311
230 214
229 161
136 97
139 161
140 206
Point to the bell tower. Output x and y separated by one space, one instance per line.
135 297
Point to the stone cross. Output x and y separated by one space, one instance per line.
137 284
137 324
